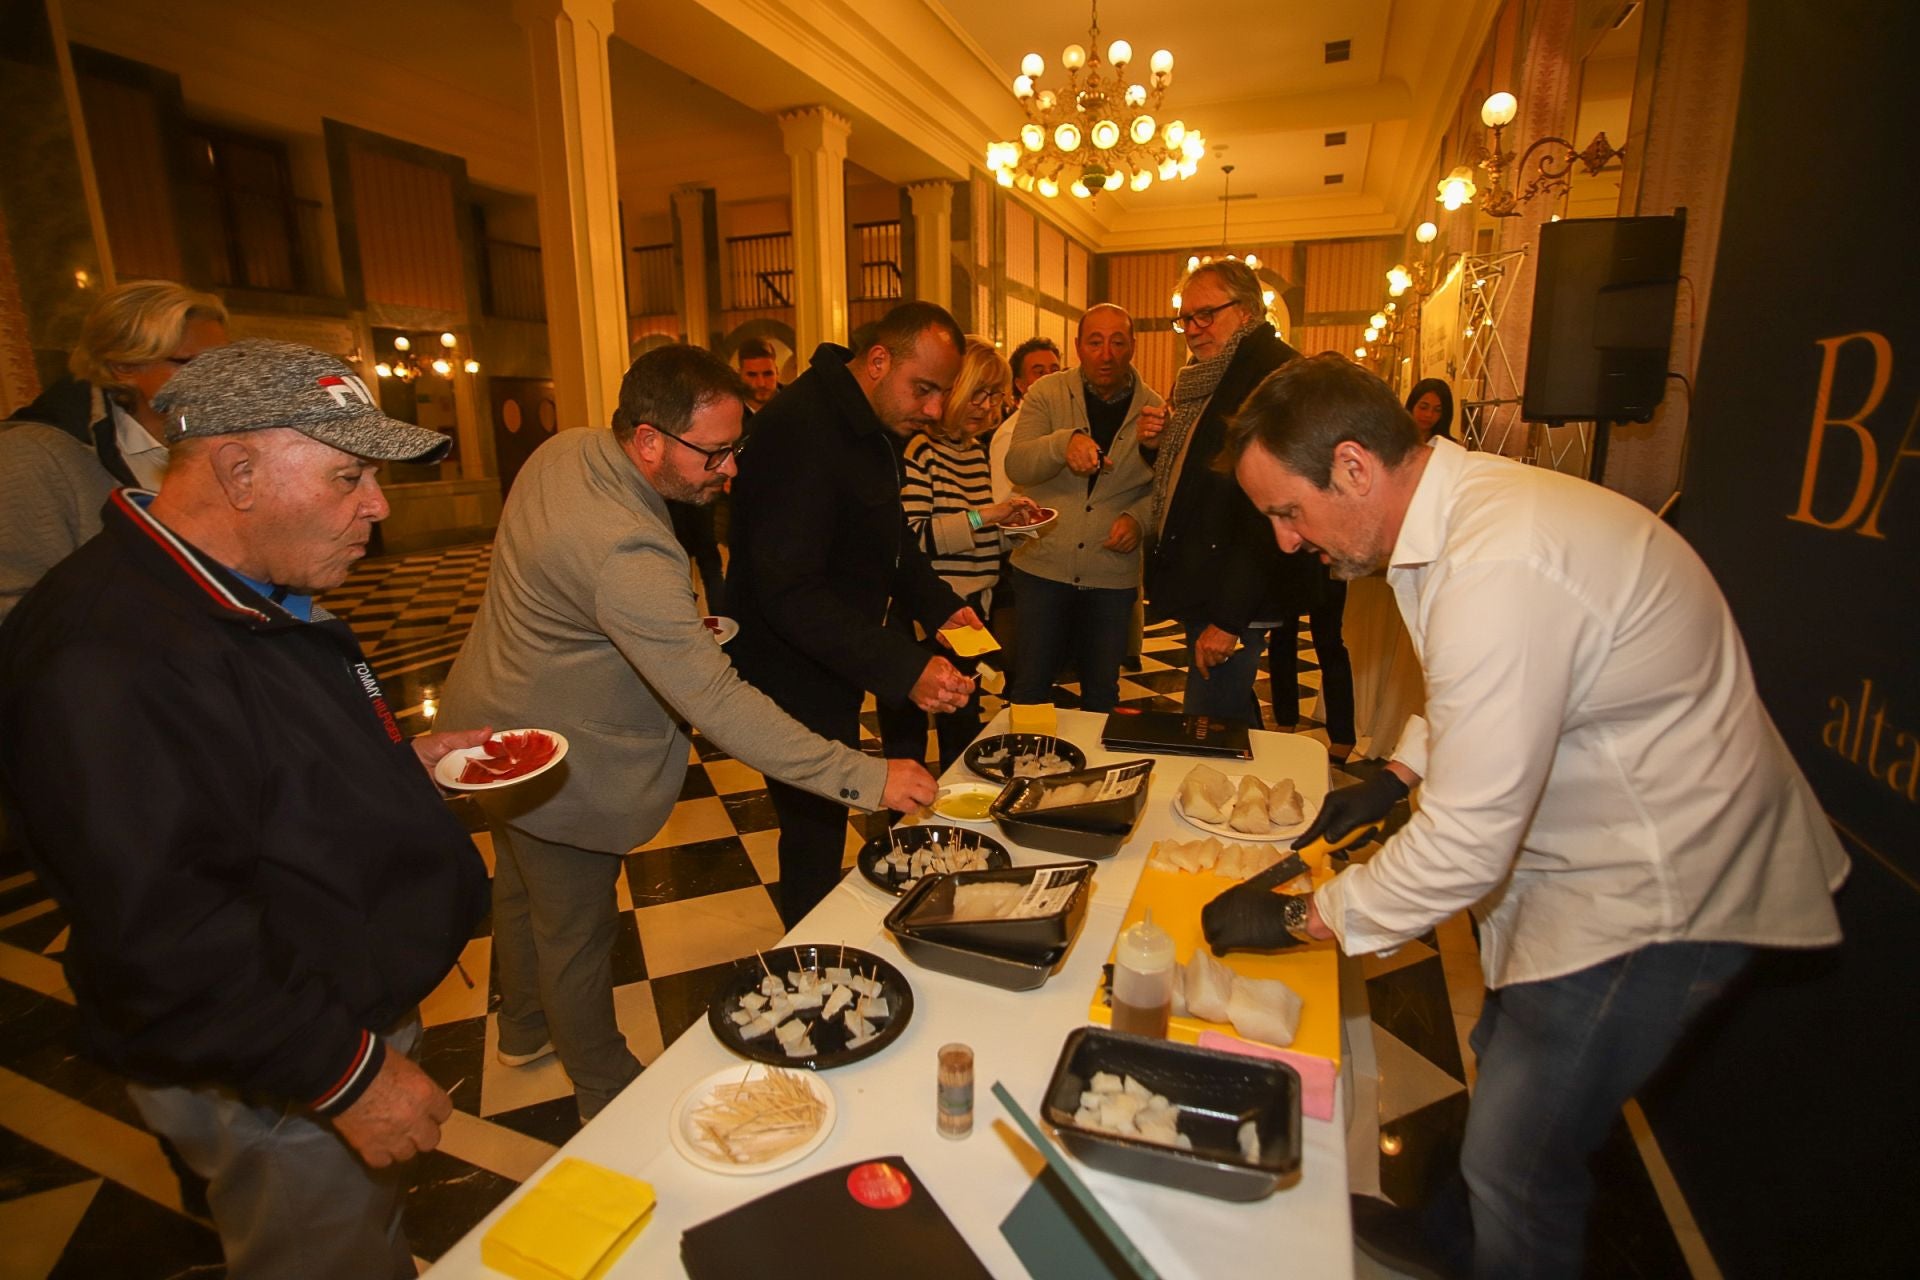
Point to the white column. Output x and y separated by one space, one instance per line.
579 194
932 241
816 143
690 240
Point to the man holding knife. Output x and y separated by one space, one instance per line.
1600 782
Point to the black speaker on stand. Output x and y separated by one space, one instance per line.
1603 300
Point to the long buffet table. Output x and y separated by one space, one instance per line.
886 1103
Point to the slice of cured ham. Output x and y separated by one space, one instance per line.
507 756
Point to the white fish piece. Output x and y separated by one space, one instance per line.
1209 987
1117 1111
1206 794
788 1032
772 986
809 999
1105 1082
1138 1090
1179 1008
741 1017
1285 806
1250 1141
780 1006
757 1028
839 998
874 1008
1264 1009
839 975
1250 807
857 1026
801 1048
1206 854
753 1000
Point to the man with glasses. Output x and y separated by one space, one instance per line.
590 627
821 547
1074 450
1213 568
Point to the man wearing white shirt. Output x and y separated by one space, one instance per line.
1599 780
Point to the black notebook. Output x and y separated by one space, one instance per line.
872 1219
1169 733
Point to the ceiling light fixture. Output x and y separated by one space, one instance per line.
408 364
1198 260
1097 132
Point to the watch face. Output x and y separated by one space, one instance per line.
1295 915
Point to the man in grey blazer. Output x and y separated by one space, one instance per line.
1074 450
590 627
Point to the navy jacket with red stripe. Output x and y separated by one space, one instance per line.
258 873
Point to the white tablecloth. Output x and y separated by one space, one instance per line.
886 1103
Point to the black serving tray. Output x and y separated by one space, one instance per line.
924 911
1020 744
1094 830
871 858
830 1038
1216 1091
978 964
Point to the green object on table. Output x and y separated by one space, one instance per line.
1050 1238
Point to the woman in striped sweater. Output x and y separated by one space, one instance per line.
947 490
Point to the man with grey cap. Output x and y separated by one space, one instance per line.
262 880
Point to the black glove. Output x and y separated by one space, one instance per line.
1351 808
1251 916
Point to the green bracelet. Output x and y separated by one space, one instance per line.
973 519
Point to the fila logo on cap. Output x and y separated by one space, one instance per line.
346 388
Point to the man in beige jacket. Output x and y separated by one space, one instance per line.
590 627
1075 449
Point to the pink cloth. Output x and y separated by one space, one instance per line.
1317 1075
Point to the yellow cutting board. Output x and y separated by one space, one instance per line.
1311 970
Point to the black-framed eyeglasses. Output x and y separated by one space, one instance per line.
716 458
1199 317
987 396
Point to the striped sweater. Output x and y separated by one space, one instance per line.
942 482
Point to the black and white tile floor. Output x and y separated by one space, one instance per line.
85 1192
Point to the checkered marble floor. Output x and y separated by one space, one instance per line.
84 1191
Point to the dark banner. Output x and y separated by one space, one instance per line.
1802 492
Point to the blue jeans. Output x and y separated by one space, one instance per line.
1226 692
1558 1060
1058 621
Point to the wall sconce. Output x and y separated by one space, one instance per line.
1552 172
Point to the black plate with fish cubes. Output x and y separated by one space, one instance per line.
829 1036
1217 1094
994 757
881 873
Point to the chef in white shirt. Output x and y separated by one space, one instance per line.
1598 780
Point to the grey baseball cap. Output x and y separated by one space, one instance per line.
254 384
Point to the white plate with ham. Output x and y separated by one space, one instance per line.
509 757
721 629
1042 517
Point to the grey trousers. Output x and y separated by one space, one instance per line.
291 1199
554 916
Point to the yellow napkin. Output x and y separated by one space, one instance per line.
1033 717
571 1225
970 642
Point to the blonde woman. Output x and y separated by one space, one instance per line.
97 430
947 491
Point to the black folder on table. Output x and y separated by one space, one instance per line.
875 1218
1169 733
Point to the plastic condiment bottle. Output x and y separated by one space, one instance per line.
1143 974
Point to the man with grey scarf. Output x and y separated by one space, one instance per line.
1214 567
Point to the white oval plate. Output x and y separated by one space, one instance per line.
447 772
1225 832
680 1123
964 789
1023 530
721 629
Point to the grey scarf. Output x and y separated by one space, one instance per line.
1193 386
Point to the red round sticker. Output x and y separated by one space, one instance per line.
878 1185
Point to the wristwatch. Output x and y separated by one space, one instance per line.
1293 915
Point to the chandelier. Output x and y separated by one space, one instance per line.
1097 132
407 364
1198 260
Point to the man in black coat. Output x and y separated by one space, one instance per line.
820 548
1214 566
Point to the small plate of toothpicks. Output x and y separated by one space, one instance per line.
752 1119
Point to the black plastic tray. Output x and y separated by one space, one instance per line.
1082 830
1020 744
1028 937
831 1039
881 876
978 964
1216 1091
